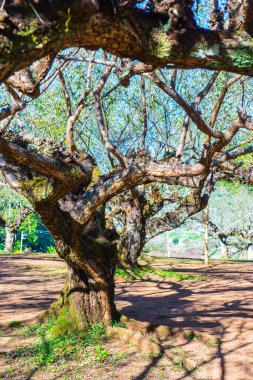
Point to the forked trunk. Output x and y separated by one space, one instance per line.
9 240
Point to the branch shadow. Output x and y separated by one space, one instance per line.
185 305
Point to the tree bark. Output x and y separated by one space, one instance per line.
91 254
133 235
84 300
9 240
26 37
130 249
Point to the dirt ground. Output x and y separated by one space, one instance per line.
221 306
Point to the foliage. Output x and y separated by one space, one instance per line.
101 353
36 236
15 324
51 249
48 349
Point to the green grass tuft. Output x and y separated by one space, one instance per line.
15 324
141 273
48 349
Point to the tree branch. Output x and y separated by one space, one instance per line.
223 93
142 35
191 111
144 112
190 205
40 162
186 123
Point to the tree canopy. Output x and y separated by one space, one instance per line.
94 105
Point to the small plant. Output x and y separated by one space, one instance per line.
118 324
122 273
30 330
214 341
51 249
179 364
192 336
101 353
15 324
95 334
119 358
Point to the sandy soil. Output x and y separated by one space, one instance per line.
221 306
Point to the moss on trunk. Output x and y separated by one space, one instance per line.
81 304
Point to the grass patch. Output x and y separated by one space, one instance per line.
65 356
192 336
119 324
143 272
47 349
214 341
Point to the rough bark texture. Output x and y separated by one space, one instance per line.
165 35
133 236
141 221
91 254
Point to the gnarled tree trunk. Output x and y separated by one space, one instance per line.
91 254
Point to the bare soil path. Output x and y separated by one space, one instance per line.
221 306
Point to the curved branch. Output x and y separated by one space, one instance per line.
125 31
111 148
190 205
40 162
190 110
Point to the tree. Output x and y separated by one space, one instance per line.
11 228
230 218
238 232
13 212
155 32
144 216
68 186
138 210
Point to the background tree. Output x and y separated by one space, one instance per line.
148 214
18 220
13 213
230 219
137 207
